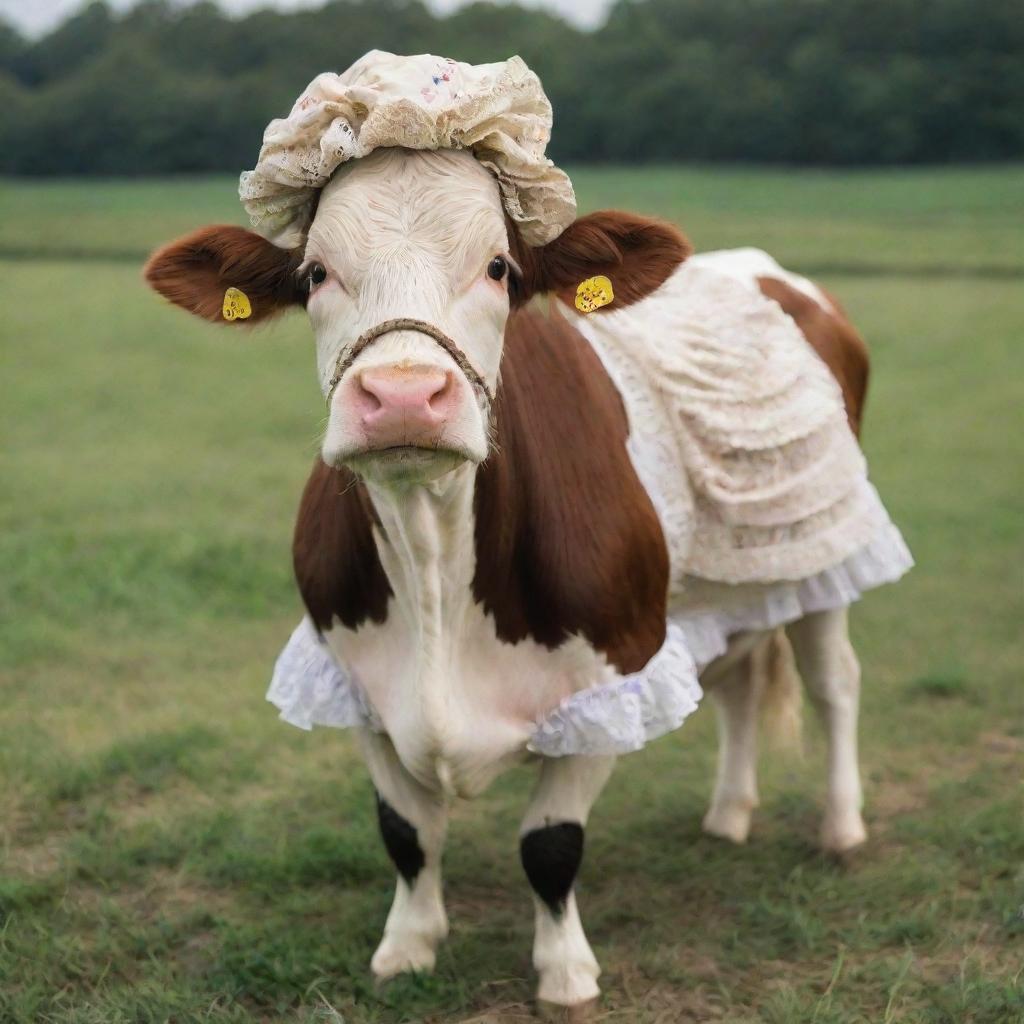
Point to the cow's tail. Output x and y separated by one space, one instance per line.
776 679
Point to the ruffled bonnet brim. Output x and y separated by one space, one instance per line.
499 112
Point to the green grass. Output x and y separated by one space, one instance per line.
171 852
900 221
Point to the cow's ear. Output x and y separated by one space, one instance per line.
226 274
636 254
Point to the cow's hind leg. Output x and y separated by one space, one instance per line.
412 824
733 691
831 673
551 847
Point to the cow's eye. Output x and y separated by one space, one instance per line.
497 268
317 274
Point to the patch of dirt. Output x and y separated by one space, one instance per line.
1001 744
511 1013
22 853
893 799
164 893
890 799
662 1002
130 806
693 991
36 860
984 951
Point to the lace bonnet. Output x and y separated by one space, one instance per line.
497 111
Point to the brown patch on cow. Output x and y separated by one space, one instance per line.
833 337
195 271
567 540
336 562
636 253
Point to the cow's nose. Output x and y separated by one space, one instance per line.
403 405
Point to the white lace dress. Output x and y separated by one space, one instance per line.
739 435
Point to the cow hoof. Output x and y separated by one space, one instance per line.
842 834
402 954
581 1013
569 990
728 821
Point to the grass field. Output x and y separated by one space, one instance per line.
171 852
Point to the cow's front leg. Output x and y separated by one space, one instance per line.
551 846
412 823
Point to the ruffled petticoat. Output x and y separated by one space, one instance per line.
310 688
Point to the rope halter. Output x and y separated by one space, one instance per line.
367 338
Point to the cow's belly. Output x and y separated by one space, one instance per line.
461 707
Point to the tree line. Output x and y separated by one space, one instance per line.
163 88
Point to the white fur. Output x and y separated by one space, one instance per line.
829 668
731 688
409 235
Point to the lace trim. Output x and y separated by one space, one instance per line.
310 688
757 607
620 717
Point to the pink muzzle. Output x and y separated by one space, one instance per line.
404 405
399 406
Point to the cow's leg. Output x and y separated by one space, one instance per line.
735 796
412 823
831 673
551 847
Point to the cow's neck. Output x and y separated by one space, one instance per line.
425 542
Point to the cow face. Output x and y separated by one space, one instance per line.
408 236
408 273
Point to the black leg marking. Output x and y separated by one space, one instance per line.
400 841
551 857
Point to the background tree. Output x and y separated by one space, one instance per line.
164 89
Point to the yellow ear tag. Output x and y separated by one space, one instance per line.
594 293
236 305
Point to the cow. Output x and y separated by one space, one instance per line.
474 543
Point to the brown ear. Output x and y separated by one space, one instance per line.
637 254
194 272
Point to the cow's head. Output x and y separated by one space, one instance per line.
422 239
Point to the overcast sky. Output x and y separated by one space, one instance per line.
34 17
